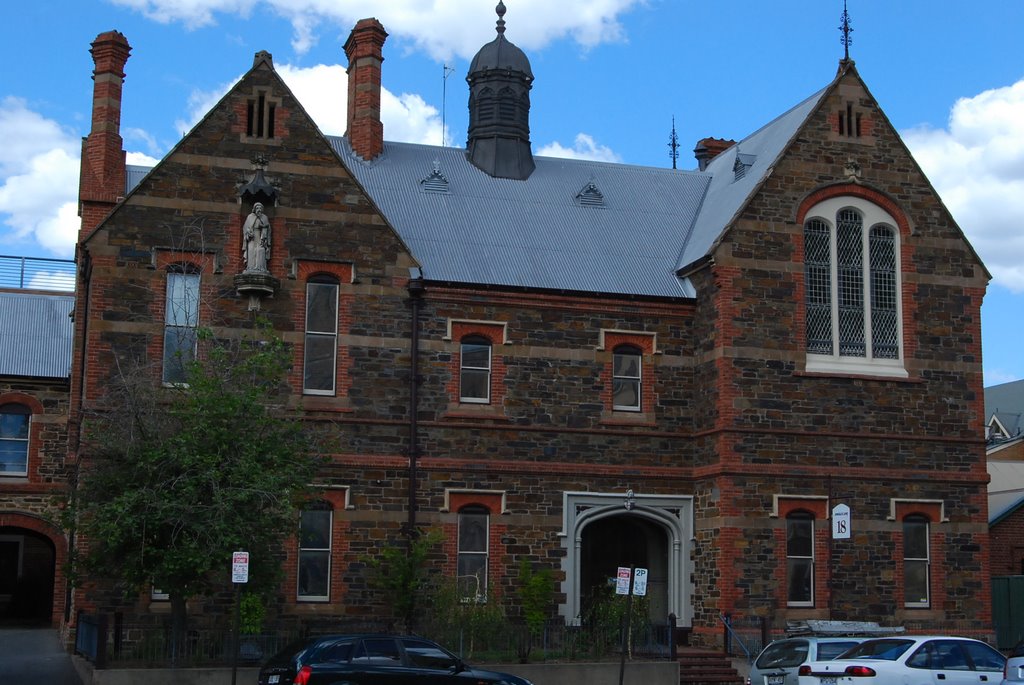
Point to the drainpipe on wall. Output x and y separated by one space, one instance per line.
416 289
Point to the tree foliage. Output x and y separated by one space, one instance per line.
400 572
178 478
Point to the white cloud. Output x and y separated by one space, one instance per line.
439 28
584 147
977 165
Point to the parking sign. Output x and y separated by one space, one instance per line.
239 567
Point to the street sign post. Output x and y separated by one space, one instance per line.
239 576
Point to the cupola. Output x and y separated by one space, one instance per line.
499 80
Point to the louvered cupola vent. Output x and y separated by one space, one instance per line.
590 196
435 182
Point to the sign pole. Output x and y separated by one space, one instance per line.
626 627
239 575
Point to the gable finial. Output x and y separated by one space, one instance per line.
500 9
673 143
846 29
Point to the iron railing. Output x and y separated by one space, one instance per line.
37 273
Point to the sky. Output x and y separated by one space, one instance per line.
611 77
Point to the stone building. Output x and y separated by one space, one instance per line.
583 365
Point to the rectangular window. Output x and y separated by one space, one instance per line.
181 318
626 380
315 555
475 381
916 563
14 432
800 561
472 561
321 350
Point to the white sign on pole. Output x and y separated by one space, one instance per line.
239 567
840 522
640 582
622 581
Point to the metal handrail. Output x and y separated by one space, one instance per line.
37 273
730 633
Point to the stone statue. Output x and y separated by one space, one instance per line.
256 239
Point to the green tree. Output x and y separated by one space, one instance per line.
400 572
535 594
176 479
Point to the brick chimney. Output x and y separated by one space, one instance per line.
364 49
102 180
709 148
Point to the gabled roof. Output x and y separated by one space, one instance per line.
35 335
1004 409
536 233
1005 489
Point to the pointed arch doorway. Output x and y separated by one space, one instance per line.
600 534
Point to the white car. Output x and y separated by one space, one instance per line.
910 660
1013 674
777 664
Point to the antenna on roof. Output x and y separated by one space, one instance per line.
446 72
673 143
846 29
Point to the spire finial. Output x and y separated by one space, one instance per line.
673 143
846 29
500 9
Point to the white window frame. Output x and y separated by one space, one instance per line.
321 334
301 550
630 351
181 318
918 561
27 413
807 518
872 215
477 341
481 590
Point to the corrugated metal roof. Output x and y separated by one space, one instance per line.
536 233
35 335
1005 488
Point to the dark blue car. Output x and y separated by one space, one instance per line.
374 660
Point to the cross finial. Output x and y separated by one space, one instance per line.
846 29
673 144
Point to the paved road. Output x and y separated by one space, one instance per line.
34 655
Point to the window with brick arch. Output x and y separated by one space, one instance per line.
475 370
471 571
181 320
15 420
852 288
800 559
627 364
320 353
314 572
916 561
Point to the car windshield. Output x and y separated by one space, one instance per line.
786 653
888 650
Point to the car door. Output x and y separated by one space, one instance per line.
943 662
431 664
987 663
377 661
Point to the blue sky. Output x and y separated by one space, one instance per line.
610 77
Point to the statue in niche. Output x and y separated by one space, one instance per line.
256 239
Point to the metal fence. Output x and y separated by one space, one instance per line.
116 645
37 273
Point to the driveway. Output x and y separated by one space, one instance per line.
34 655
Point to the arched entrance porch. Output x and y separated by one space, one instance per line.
32 554
600 534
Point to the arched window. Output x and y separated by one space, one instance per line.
14 431
475 370
852 288
800 559
916 561
321 342
474 533
626 378
181 319
314 571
